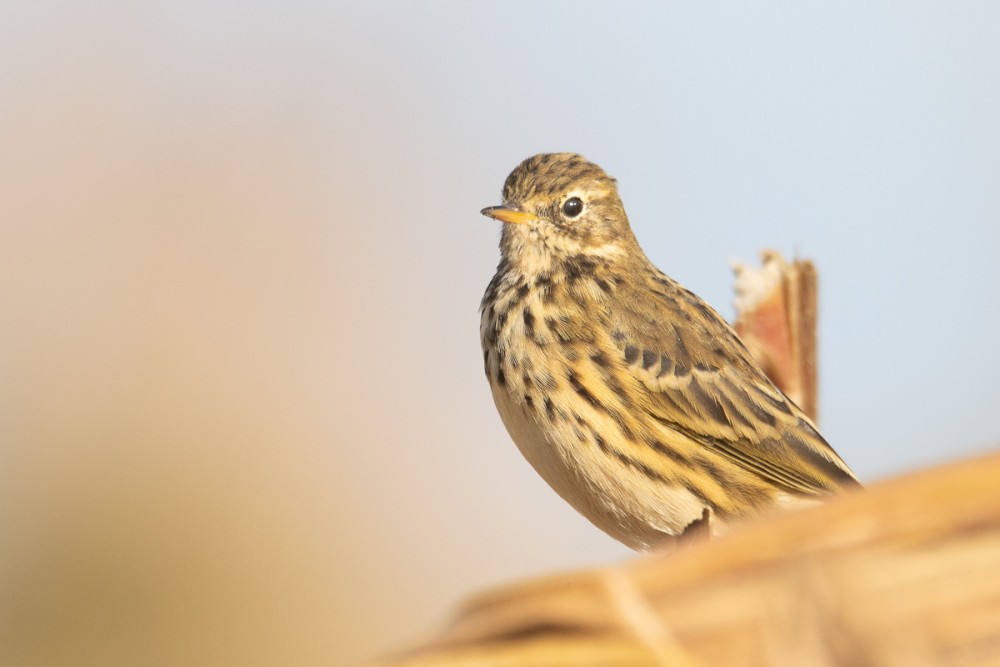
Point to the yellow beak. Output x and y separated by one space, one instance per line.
506 214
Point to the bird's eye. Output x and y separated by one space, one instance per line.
572 207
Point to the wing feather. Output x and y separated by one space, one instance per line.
705 386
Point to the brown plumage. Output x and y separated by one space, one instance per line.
630 395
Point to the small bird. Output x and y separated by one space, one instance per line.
631 396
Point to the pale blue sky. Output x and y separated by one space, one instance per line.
341 152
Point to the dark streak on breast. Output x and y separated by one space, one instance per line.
550 410
529 323
584 393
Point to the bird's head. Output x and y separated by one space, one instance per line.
559 205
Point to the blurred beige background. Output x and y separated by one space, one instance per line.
243 418
242 412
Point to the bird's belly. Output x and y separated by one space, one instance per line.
620 500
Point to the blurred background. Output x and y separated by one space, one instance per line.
243 418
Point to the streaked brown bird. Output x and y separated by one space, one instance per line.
628 394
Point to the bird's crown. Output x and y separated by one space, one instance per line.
551 175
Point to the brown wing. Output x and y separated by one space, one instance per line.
705 386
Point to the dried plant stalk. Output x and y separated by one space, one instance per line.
776 312
905 573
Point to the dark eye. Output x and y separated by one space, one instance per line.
573 207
